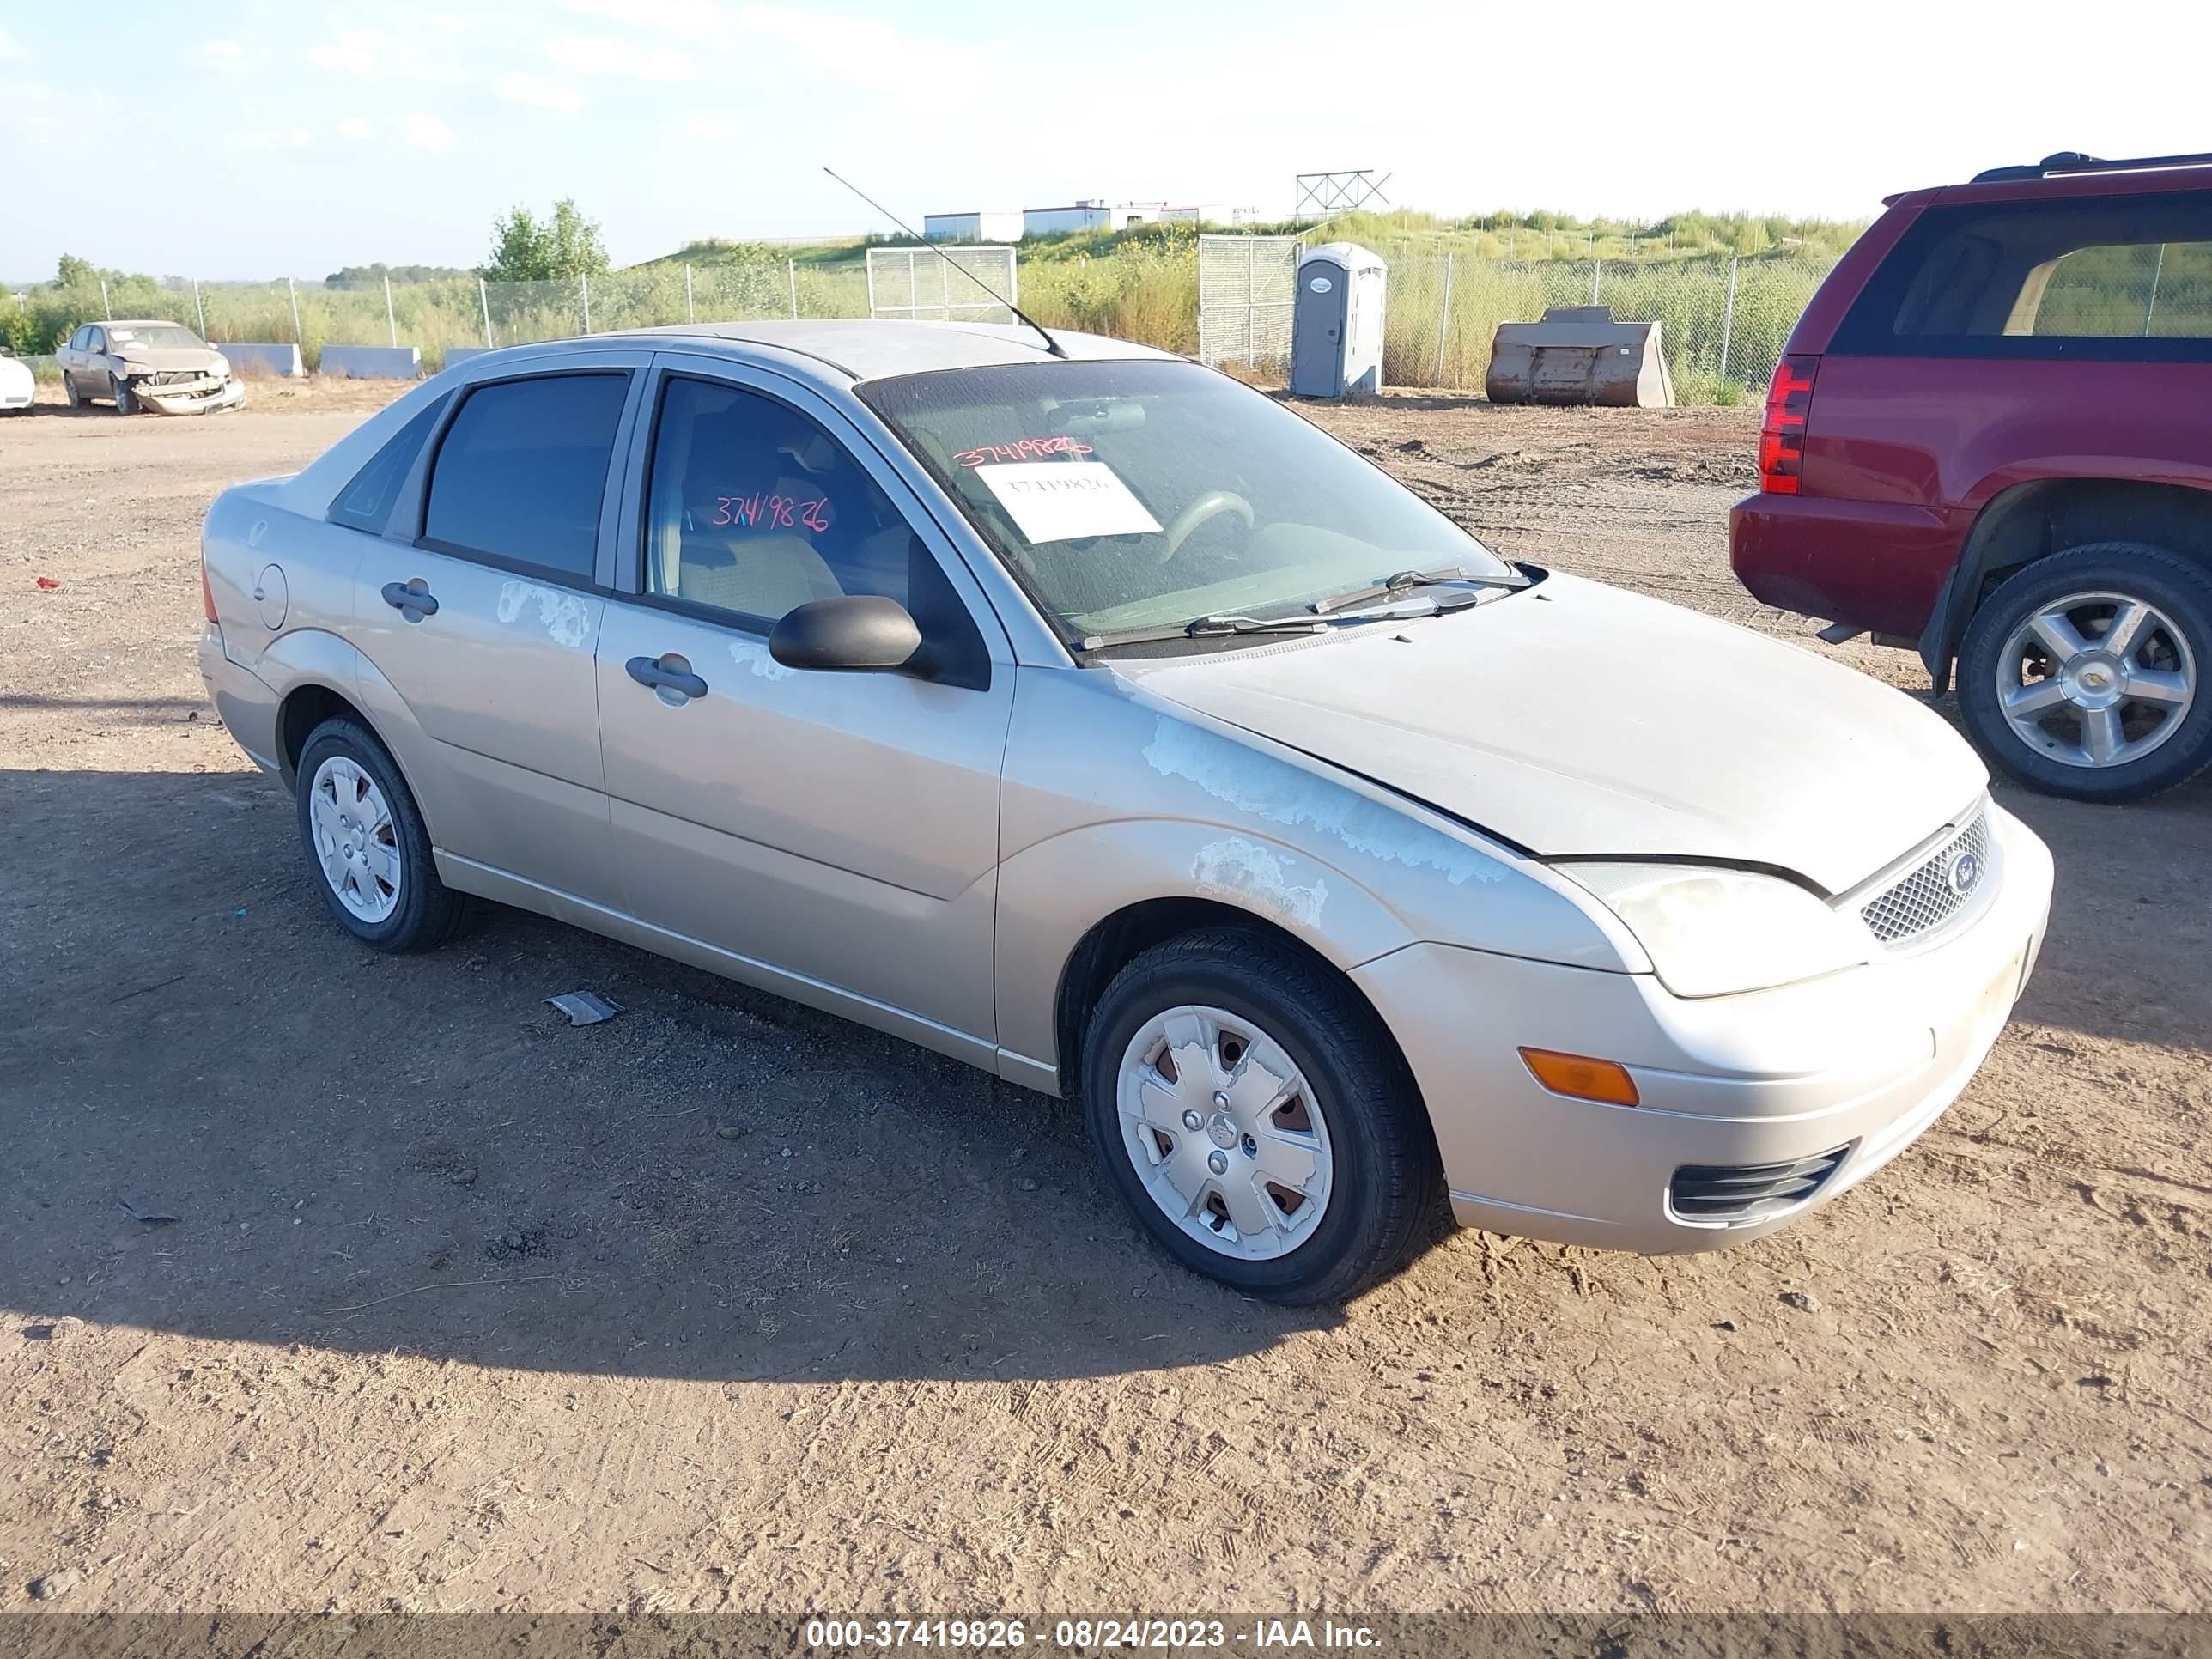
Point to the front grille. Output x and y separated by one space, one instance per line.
1746 1192
177 376
1935 890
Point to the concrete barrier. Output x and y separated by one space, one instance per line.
282 360
373 362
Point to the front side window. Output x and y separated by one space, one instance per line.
755 510
1129 495
2110 277
522 471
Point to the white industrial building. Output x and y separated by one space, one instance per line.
1211 213
984 225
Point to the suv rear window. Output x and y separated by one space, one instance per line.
523 469
2110 277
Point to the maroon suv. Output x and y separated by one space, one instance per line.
1991 441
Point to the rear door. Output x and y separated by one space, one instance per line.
477 631
832 832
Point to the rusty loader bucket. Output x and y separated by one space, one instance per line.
1579 355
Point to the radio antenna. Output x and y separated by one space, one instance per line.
1050 345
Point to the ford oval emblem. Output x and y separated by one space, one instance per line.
1964 873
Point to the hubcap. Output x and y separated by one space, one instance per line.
1224 1132
356 843
2096 679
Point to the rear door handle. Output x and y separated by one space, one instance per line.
668 673
412 599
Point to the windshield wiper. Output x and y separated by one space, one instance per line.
1203 628
1209 628
1405 578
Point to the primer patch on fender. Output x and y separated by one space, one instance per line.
565 618
1251 782
747 654
1059 500
1237 868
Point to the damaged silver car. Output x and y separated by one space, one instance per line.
147 364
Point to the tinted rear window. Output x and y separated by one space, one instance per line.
523 470
366 504
2096 278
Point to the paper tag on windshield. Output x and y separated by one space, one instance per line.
1059 501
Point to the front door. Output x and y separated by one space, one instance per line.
483 628
837 831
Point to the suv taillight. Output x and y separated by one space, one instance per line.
1782 436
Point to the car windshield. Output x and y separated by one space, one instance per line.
1133 495
155 336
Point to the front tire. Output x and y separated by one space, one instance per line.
2085 674
366 843
126 400
1254 1113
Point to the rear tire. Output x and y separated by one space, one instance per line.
368 850
1346 1133
70 395
2048 702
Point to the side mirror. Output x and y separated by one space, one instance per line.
857 631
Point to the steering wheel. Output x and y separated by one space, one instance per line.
1210 505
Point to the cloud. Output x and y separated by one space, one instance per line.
609 54
517 88
396 54
225 54
10 46
425 130
858 49
355 127
687 18
270 138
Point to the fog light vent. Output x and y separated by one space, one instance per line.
1716 1192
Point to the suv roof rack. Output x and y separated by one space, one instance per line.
2073 161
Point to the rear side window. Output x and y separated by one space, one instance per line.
366 504
2112 278
523 469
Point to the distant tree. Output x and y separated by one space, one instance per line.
374 275
74 272
525 249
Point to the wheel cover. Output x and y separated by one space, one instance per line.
1224 1132
356 842
2096 679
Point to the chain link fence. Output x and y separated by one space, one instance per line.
1723 320
1246 291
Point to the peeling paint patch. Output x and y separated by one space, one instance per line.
1240 869
747 654
565 618
1251 782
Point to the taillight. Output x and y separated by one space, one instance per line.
207 593
1782 435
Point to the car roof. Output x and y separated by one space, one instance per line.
2036 182
868 348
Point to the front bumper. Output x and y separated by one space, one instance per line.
1856 1064
192 397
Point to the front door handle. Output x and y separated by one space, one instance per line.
667 673
412 599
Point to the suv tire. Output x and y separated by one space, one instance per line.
368 850
1351 1129
2072 600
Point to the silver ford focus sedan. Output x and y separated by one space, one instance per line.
1075 710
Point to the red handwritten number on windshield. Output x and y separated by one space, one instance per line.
1022 449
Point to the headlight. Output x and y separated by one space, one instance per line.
221 367
1710 932
129 367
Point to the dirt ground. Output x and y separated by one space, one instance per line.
726 1305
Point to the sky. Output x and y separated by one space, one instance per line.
268 137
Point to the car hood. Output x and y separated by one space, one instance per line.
1577 719
167 359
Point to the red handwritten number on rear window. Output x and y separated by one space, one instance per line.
758 512
1022 449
